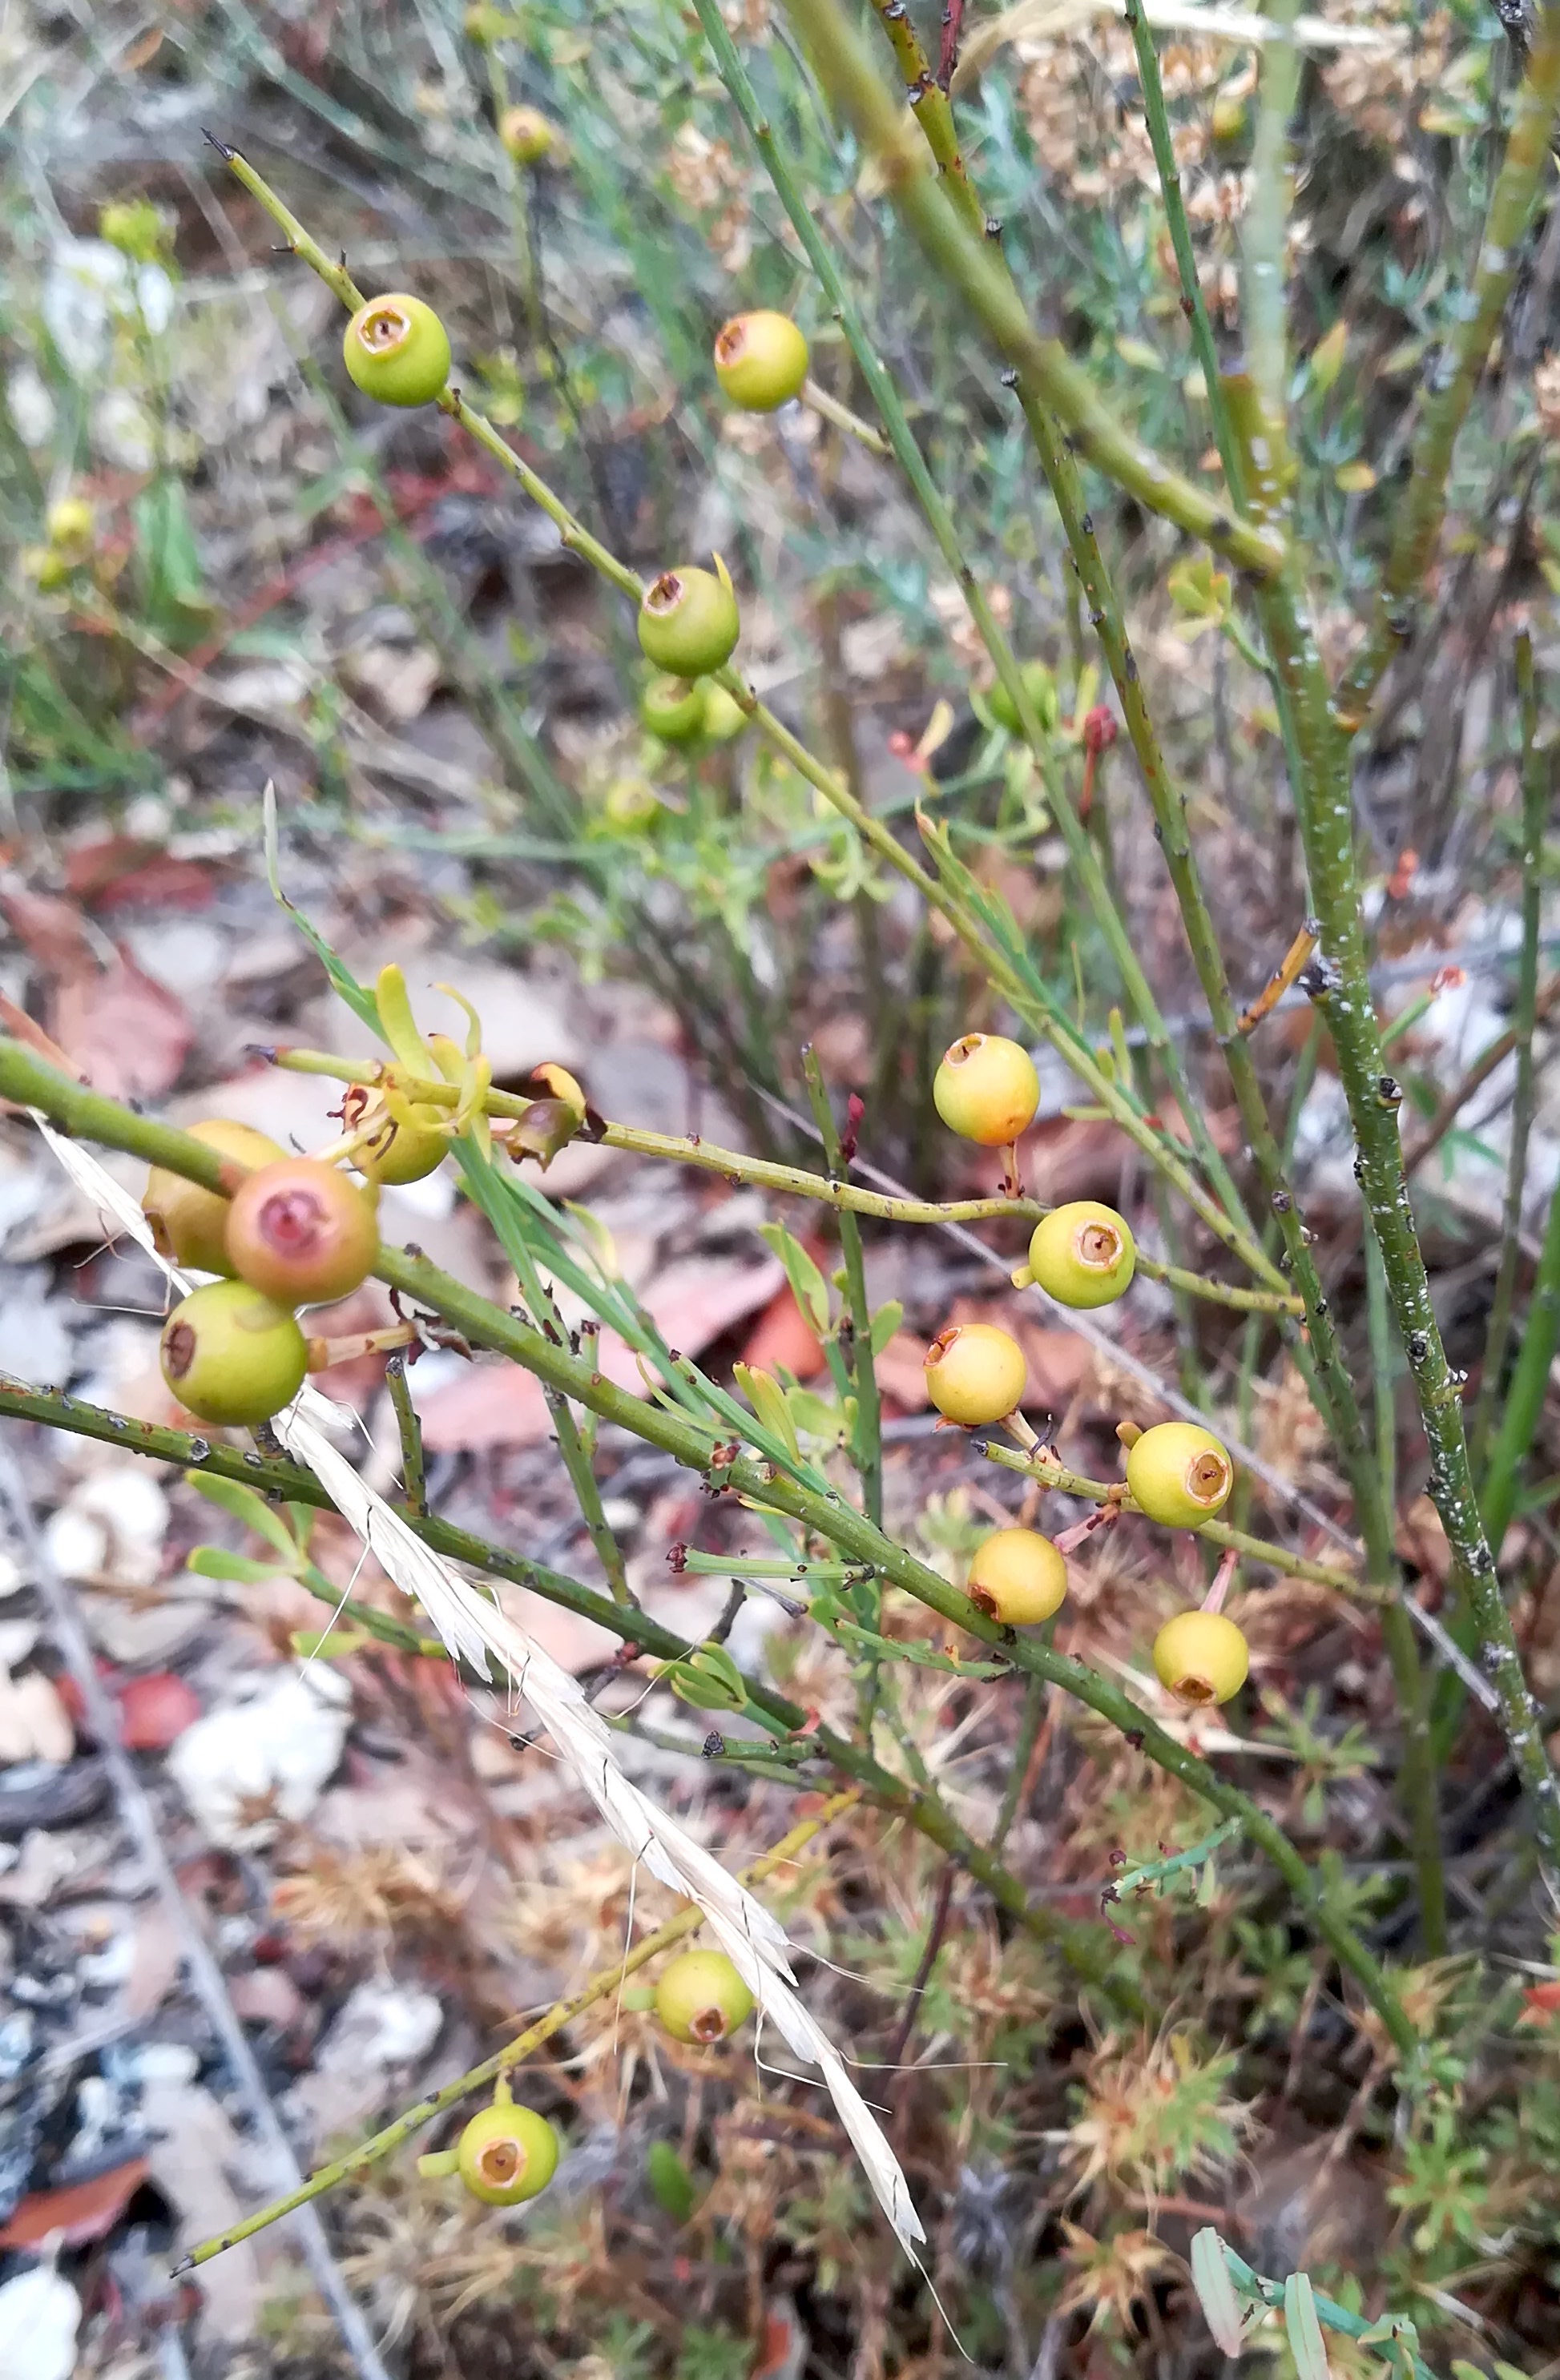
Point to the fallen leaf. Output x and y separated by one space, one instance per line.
34 1724
1057 1360
50 929
129 1036
901 1371
781 1336
155 1710
84 2211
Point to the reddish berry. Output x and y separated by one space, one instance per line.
230 1354
189 1224
302 1232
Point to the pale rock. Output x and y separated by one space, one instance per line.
247 1769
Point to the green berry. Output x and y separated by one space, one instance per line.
1018 1577
1083 1254
1202 1656
1179 1474
396 350
975 1374
69 525
702 1997
528 135
986 1089
403 1152
506 2154
232 1355
189 1224
673 708
1041 687
760 360
302 1232
724 718
689 621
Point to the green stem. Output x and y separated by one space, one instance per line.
72 1106
1529 1383
966 263
869 1406
414 1477
1037 1699
1469 338
1535 803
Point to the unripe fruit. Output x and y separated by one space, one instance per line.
975 1373
724 718
189 1224
702 1997
673 708
689 621
69 525
1041 687
1179 1474
302 1232
1018 1577
396 350
1083 1254
231 1355
986 1089
760 360
1200 1656
506 2154
526 134
403 1152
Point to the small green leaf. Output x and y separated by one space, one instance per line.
769 1400
885 1322
1307 2345
1215 2292
807 1286
814 1415
244 1505
708 1679
670 2180
333 1645
215 1562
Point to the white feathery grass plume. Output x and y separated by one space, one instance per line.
477 1630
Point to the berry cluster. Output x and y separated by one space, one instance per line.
296 1232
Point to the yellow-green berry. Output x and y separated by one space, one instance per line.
975 1374
528 135
68 526
1041 687
232 1355
724 718
986 1089
506 2154
689 621
702 1997
398 350
673 708
401 1152
1018 1577
1202 1656
1178 1474
760 360
1083 1254
189 1224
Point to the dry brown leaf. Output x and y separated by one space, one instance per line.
128 1034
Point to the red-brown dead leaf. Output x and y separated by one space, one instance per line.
128 1034
781 1336
1057 1360
901 1372
50 929
85 2211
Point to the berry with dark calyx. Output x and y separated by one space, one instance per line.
232 1355
702 1997
528 135
1018 1577
986 1089
506 2154
975 1373
689 621
398 350
1083 1254
403 1152
760 360
724 718
673 708
1202 1658
1179 1474
1041 687
189 1224
302 1232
